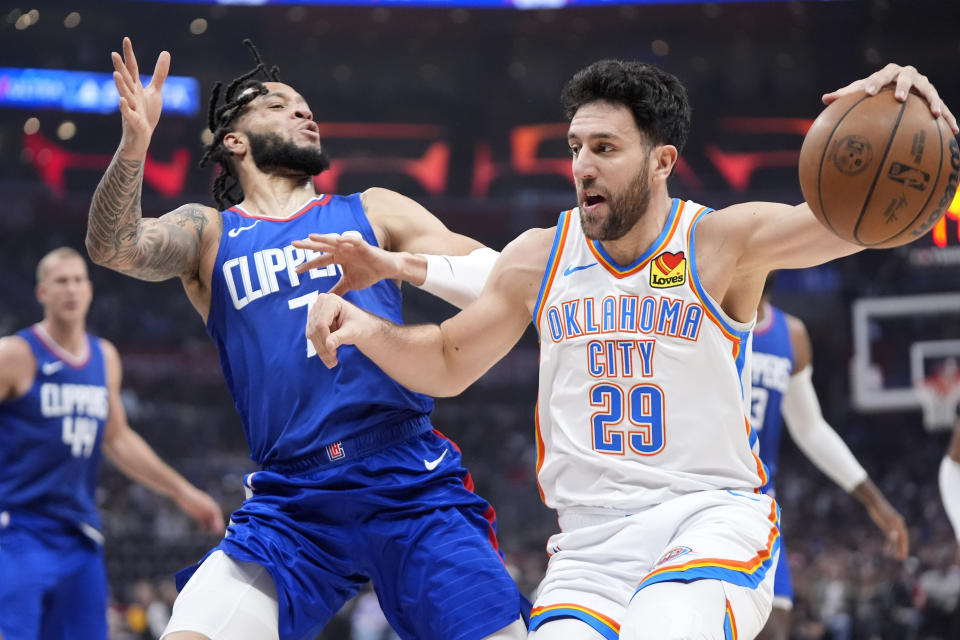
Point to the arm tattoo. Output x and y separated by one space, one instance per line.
120 238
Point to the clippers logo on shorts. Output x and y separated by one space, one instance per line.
668 270
672 554
335 451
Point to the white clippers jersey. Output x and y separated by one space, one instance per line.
643 378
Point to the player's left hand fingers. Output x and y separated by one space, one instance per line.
871 84
828 98
950 118
321 319
320 262
320 243
130 60
160 71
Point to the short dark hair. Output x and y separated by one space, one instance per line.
656 98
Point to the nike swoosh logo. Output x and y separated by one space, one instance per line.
570 270
431 465
233 233
50 368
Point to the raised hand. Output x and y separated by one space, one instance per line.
140 106
906 78
361 263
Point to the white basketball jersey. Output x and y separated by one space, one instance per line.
643 378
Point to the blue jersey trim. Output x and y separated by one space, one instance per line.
653 248
729 633
548 275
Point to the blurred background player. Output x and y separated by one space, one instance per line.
949 480
59 409
355 484
783 393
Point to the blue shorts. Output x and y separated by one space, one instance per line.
53 584
405 517
782 581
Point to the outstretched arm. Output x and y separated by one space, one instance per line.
139 462
442 360
738 248
414 246
118 236
827 451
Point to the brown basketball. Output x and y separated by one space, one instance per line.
878 172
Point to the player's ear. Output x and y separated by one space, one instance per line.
663 158
235 142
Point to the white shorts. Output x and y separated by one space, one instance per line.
227 600
603 562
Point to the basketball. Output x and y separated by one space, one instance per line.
878 172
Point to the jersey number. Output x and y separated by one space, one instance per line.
642 405
80 434
758 407
305 301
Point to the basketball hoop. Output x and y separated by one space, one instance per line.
939 395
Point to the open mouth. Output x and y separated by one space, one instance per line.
592 200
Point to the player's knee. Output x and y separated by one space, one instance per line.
676 611
185 635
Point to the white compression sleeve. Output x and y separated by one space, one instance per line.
817 439
950 491
459 279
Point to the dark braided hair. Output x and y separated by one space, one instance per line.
239 93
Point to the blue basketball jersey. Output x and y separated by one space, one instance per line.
772 367
50 456
291 405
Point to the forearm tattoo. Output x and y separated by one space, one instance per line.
118 237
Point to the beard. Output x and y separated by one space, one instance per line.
624 209
271 153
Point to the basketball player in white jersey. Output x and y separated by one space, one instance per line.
644 305
949 479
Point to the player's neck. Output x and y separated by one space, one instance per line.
71 336
626 249
271 196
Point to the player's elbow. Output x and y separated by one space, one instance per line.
438 387
96 251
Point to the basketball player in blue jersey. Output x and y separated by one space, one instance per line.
355 484
59 409
644 304
782 391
